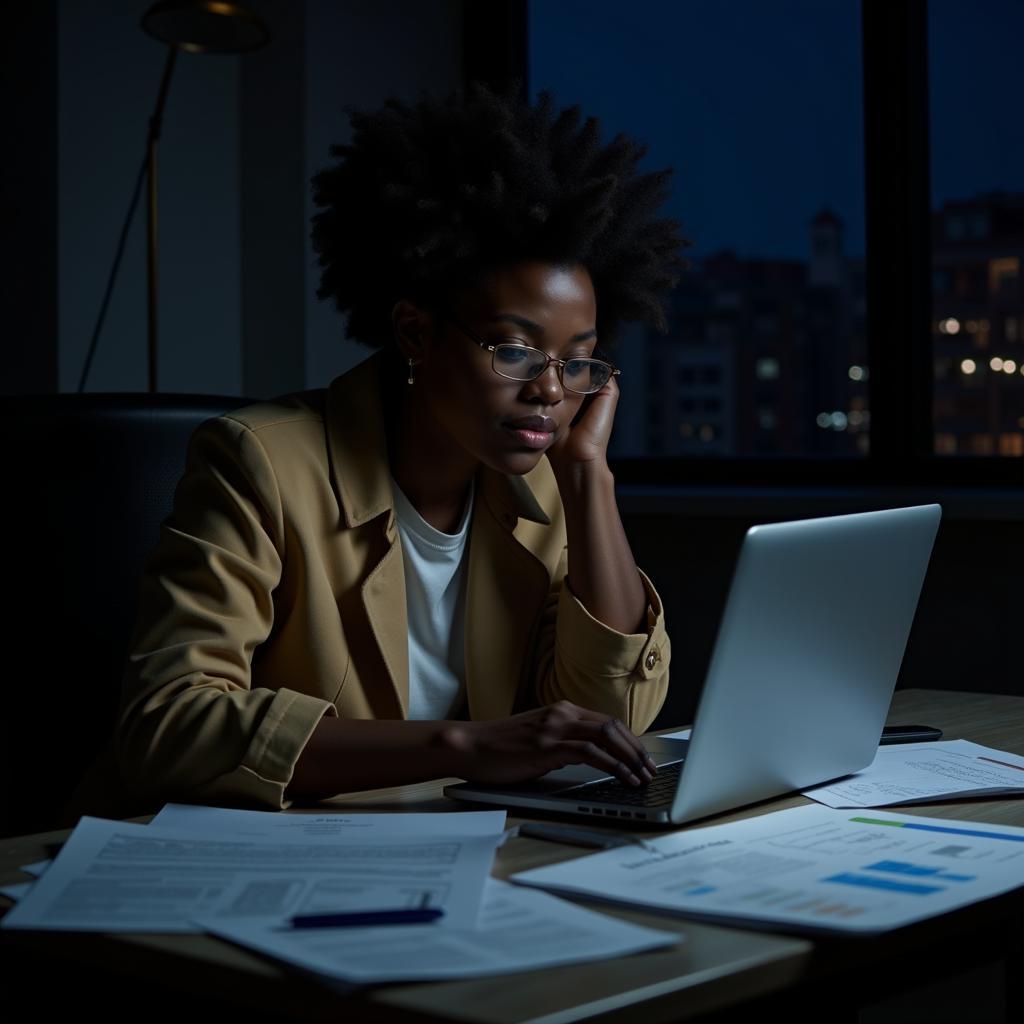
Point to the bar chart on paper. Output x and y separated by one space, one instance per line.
808 868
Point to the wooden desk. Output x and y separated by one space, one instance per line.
714 970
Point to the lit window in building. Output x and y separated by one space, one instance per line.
686 430
981 444
945 444
707 432
1002 274
767 368
1011 444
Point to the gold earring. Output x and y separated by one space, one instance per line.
411 365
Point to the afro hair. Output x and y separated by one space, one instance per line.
427 198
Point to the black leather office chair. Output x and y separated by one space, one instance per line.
87 481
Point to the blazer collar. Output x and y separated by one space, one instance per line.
357 446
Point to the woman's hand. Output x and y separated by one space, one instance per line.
586 441
524 746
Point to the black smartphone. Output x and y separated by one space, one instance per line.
909 734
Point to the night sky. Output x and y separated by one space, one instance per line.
757 104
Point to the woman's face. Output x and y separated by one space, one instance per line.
509 424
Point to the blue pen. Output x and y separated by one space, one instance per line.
353 919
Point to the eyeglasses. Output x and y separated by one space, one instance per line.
523 362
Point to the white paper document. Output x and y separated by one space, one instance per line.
119 876
683 734
17 891
917 772
342 826
810 868
37 868
519 930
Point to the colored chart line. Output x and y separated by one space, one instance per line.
898 867
940 828
914 888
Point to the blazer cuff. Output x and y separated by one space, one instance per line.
269 762
599 650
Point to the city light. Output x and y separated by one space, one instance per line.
995 363
767 368
950 325
1009 366
968 366
856 372
838 420
823 420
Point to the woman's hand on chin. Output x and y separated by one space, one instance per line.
584 444
525 746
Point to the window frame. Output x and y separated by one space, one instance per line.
897 161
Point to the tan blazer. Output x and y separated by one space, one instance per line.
276 595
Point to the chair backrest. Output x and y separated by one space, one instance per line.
90 479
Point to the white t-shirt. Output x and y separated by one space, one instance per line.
435 595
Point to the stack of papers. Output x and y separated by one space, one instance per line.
244 875
805 869
922 772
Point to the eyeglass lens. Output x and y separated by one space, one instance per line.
521 363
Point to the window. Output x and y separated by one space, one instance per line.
757 107
930 323
977 160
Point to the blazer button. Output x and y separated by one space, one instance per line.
652 659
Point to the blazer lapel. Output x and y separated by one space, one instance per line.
357 448
384 601
507 588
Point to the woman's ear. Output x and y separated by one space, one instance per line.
414 331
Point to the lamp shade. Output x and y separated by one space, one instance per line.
205 26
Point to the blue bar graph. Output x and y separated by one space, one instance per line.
865 881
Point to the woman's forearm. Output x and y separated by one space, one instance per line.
344 755
602 570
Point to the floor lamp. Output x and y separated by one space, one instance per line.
195 26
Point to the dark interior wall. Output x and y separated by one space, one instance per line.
360 52
966 635
28 188
241 137
108 76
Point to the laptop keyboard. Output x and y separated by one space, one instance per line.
656 793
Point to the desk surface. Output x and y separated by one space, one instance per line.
714 968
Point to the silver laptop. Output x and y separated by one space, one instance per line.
800 680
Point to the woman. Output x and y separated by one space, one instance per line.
421 571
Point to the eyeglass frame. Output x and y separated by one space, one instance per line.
559 363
